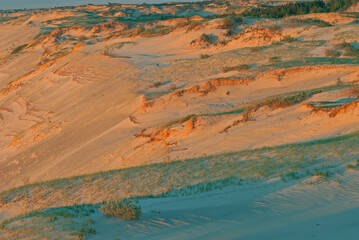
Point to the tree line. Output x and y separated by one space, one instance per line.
291 9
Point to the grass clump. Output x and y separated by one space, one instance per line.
124 209
156 31
194 25
204 56
181 120
236 68
18 49
157 84
275 59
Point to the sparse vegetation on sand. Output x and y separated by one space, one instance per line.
18 49
158 179
292 161
236 68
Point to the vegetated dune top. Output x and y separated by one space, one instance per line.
95 88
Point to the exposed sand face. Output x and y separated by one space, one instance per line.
61 104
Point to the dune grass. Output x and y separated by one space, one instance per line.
157 179
291 161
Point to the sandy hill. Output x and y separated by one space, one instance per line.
134 88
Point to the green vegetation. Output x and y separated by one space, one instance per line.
155 31
231 22
53 223
194 25
236 68
307 62
181 120
157 179
299 8
255 49
18 49
292 161
204 56
332 53
288 39
39 38
310 22
206 39
349 50
227 23
275 59
124 209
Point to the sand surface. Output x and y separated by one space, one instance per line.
270 210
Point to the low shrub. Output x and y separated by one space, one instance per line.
332 53
274 59
255 49
204 56
206 39
275 28
227 23
288 39
124 209
349 50
229 33
140 29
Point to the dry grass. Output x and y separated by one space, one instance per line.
124 209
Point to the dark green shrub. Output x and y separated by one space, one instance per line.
288 39
204 56
206 39
310 21
255 49
228 33
275 28
274 59
349 50
227 23
332 53
140 29
18 49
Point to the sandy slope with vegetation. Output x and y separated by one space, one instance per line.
97 88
